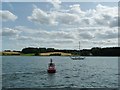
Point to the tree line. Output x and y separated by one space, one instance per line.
96 51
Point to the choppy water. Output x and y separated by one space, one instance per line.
31 72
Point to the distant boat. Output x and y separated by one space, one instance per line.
78 57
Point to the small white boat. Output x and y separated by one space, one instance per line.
77 57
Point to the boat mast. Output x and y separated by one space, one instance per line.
79 47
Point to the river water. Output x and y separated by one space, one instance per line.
31 72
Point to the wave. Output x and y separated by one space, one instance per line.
17 73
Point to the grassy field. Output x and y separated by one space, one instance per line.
31 54
0 53
9 53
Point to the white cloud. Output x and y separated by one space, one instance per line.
67 18
41 17
55 3
7 15
22 33
53 18
87 35
114 22
100 16
24 38
106 33
9 32
104 15
76 9
105 10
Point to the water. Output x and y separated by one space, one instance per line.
31 72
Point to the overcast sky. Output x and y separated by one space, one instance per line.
59 25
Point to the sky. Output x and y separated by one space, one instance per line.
60 25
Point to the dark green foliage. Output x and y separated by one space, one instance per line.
85 52
30 50
96 51
109 51
36 54
42 50
50 49
115 51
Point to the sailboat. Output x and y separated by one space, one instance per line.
78 57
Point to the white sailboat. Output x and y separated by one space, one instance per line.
78 57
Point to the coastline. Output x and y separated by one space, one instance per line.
45 54
34 54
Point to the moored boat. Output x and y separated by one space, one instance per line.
78 57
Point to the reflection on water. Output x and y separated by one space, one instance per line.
51 79
31 72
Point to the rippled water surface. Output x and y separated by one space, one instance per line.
31 72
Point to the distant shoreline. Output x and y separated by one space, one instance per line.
44 54
34 54
32 51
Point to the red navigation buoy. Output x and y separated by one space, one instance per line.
51 67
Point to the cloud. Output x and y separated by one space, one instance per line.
106 10
100 16
106 33
53 18
55 3
104 15
24 38
83 33
76 9
54 34
22 33
9 32
115 22
67 18
41 33
6 15
41 17
64 28
87 35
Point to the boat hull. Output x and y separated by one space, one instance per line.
78 58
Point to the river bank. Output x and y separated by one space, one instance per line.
45 54
34 54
